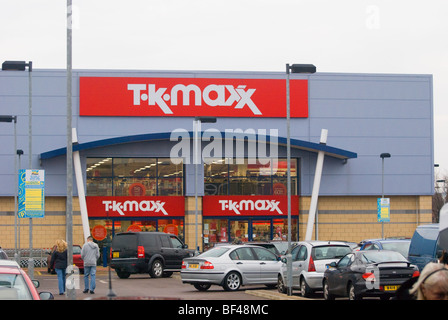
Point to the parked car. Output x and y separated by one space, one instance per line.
376 273
231 266
3 254
399 245
77 261
156 253
424 245
309 260
15 284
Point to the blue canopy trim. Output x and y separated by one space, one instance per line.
297 144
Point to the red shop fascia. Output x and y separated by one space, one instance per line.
136 207
249 206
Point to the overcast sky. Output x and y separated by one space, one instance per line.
361 36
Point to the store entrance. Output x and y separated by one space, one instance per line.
239 231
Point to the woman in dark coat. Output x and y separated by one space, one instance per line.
59 260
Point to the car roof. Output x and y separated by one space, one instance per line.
315 243
8 263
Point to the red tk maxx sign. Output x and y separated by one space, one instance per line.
191 97
249 206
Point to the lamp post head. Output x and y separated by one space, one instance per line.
206 119
385 155
8 119
301 68
17 65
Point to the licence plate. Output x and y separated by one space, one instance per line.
115 255
193 266
391 288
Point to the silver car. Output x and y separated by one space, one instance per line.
231 266
309 260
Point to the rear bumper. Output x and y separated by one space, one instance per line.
202 277
131 265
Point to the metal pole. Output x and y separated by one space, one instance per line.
382 194
71 293
30 165
16 184
196 124
288 160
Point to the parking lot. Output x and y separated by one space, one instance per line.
142 286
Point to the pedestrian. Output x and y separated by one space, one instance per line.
90 254
432 283
59 260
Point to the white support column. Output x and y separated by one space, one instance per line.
316 187
80 186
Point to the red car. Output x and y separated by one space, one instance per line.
16 285
77 261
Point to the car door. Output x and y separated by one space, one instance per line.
179 252
339 278
269 265
168 252
245 262
299 264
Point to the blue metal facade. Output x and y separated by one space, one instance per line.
365 115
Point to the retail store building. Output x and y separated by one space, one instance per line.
135 144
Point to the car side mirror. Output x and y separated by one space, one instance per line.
284 260
185 246
333 265
46 296
36 283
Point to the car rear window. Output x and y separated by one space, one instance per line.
214 252
330 252
382 256
402 247
124 241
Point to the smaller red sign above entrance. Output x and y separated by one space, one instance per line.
249 206
163 206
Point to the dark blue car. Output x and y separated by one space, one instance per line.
399 245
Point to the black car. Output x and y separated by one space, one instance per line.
374 273
156 253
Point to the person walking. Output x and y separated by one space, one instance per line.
90 254
59 261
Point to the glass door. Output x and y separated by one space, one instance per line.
261 230
239 230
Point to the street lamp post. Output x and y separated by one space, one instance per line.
382 156
21 66
196 161
16 177
295 68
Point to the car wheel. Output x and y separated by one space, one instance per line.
232 281
352 295
123 274
156 270
305 290
327 294
281 285
202 286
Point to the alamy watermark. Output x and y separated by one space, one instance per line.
235 145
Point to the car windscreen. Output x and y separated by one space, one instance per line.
76 250
214 252
402 247
330 252
13 287
124 241
381 256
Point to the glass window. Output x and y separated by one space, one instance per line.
265 255
302 255
134 177
13 287
176 243
248 176
244 254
